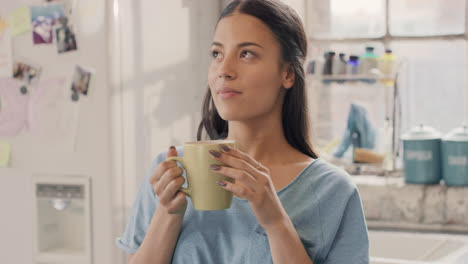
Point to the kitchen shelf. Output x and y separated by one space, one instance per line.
365 78
373 89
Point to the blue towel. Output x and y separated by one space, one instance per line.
359 131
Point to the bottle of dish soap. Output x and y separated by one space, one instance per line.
387 66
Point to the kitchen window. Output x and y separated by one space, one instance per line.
429 36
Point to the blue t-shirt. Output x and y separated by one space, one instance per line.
322 202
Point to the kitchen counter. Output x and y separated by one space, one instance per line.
390 203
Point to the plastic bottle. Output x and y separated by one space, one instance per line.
387 137
340 65
315 66
368 61
329 60
353 65
387 66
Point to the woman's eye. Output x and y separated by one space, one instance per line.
215 54
246 53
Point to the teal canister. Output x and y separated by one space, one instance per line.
422 155
455 157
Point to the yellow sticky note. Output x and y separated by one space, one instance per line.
3 25
5 151
20 21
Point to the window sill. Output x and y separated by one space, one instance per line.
390 203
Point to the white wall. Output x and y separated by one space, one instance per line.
50 153
151 60
159 77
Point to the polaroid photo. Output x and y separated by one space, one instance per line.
44 18
26 71
65 36
81 81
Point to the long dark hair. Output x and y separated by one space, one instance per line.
288 29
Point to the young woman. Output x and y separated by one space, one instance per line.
289 206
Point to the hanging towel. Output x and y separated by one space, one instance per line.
359 131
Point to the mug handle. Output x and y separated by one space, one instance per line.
181 160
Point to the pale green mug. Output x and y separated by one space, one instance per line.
206 195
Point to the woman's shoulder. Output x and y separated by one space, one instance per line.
326 178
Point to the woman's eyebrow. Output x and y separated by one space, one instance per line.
240 45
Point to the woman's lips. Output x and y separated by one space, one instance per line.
226 95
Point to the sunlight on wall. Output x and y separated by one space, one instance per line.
129 150
94 11
164 34
127 40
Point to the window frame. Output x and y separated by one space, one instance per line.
387 38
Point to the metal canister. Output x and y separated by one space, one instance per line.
455 157
422 155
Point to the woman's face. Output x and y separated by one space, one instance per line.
246 58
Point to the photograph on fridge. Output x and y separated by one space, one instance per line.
65 36
43 19
26 71
81 80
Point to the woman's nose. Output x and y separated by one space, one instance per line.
227 68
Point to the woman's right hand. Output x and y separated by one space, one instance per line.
166 181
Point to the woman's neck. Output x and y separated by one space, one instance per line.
266 143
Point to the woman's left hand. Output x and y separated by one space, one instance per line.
252 182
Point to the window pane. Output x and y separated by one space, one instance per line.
330 103
346 19
433 82
427 17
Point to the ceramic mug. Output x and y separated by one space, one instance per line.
201 180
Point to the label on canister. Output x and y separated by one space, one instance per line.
457 160
419 155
